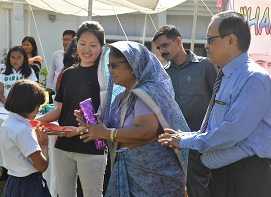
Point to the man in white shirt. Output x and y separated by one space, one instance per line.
57 63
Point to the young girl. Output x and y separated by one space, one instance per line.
16 68
24 151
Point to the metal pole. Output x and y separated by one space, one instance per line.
224 5
90 3
144 30
193 35
29 20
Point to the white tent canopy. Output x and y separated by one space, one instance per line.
104 7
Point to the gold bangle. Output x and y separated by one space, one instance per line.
115 134
112 134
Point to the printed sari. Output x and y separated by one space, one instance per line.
150 169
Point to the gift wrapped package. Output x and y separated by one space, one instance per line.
88 111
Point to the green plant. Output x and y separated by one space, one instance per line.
4 55
44 73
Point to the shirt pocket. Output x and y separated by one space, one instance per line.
192 85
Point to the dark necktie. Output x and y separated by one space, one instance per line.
212 101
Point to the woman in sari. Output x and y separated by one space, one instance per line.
133 120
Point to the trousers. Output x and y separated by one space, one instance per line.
90 169
249 177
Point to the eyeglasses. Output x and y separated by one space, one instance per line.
114 65
209 39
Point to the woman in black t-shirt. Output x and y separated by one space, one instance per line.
79 82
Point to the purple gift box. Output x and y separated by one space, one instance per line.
88 111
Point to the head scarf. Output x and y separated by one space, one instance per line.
153 86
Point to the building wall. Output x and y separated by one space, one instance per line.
5 28
48 34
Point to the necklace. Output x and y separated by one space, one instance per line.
124 97
126 94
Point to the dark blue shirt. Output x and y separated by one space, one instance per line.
193 83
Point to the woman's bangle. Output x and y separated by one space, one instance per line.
112 134
115 134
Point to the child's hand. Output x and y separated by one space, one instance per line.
41 136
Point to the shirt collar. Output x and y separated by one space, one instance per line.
191 57
14 71
234 64
19 118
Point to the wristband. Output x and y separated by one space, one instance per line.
112 134
115 134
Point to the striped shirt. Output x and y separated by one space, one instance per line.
240 122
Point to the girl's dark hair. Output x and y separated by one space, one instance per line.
34 45
96 29
25 69
70 56
24 96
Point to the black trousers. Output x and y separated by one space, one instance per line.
197 176
249 177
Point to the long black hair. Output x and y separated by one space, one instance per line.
25 69
34 45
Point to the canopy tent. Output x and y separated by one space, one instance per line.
114 7
104 7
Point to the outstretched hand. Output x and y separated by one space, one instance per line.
90 132
71 133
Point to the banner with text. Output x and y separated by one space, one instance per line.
257 12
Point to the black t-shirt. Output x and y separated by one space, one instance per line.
77 84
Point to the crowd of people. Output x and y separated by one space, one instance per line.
197 127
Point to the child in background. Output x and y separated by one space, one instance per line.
24 151
17 68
